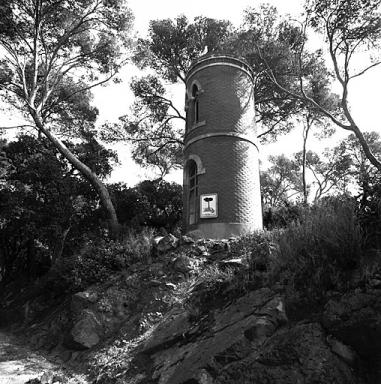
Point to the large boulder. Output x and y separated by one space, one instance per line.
296 355
355 319
246 340
183 349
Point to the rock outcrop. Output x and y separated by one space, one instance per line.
249 340
183 349
299 354
355 319
185 317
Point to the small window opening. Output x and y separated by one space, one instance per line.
195 97
193 192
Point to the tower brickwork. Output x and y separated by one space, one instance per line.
221 170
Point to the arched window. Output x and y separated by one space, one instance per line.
195 98
193 192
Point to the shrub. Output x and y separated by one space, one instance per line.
281 216
207 290
256 250
318 253
369 213
99 258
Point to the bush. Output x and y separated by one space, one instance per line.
99 258
256 250
281 216
207 290
369 213
318 253
153 203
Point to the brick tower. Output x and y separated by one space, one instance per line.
221 172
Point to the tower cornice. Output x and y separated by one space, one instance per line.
216 60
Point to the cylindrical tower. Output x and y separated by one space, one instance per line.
221 170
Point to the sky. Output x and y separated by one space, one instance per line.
115 100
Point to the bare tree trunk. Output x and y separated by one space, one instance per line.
85 171
59 247
306 130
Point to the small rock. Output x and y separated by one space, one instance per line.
220 246
187 240
237 262
87 331
196 234
58 379
166 243
205 377
201 250
183 264
89 296
342 350
82 300
375 283
47 378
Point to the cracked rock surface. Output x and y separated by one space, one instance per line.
247 341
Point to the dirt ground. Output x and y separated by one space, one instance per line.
18 364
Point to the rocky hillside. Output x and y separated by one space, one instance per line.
208 312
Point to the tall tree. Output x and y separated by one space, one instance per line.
350 27
264 27
53 52
310 116
45 203
280 181
330 173
364 174
155 126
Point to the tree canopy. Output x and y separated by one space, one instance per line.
349 28
45 203
53 53
155 124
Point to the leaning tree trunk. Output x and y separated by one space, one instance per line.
364 145
306 131
85 171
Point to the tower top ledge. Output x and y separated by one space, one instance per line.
209 60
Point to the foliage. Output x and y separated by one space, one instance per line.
317 254
155 125
52 54
330 172
99 258
156 204
281 216
310 256
363 174
154 117
280 181
265 31
349 28
45 205
285 180
172 45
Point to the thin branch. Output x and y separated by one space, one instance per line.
19 126
364 70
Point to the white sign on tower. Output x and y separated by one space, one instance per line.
209 206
